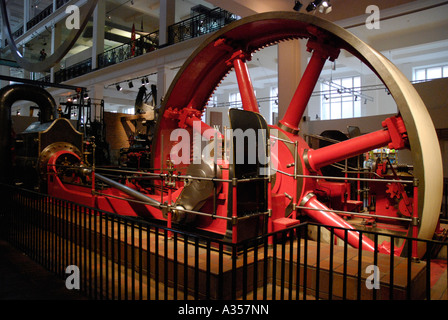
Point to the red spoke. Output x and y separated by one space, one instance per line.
245 86
307 83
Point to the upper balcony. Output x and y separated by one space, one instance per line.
119 45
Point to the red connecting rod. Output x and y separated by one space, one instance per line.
299 101
393 136
245 86
320 213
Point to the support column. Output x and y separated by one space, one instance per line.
289 73
164 78
26 14
166 18
99 17
96 94
55 42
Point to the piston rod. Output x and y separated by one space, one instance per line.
130 192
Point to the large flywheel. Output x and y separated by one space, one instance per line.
230 48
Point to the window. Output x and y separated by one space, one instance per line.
430 72
235 101
212 102
339 99
128 110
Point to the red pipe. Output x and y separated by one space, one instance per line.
329 218
245 85
318 158
303 92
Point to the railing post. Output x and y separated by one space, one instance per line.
415 221
234 211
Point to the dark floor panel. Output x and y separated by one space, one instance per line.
21 278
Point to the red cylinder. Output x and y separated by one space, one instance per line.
318 213
318 158
245 85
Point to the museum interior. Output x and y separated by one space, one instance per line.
128 170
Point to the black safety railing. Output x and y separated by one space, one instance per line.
444 210
126 51
117 257
73 71
199 25
38 18
190 28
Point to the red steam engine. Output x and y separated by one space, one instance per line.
217 194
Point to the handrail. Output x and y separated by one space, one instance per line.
198 25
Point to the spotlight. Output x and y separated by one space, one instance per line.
297 6
86 96
119 88
325 7
130 84
146 80
313 5
143 82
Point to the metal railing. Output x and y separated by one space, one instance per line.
131 49
444 210
193 27
38 18
73 71
199 25
122 257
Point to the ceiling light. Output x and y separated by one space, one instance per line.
86 96
297 6
325 7
146 79
130 84
313 5
119 88
143 81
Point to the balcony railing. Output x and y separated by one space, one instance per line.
129 50
199 25
190 28
37 18
73 71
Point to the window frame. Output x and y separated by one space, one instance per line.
333 98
